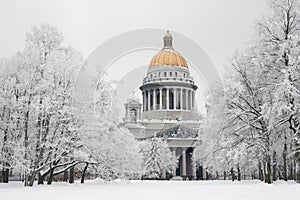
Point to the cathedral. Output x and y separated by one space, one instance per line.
168 108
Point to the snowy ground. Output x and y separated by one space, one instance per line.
154 190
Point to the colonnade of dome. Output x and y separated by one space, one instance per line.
170 98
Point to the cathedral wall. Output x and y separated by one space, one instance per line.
171 115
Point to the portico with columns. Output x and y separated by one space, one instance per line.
181 141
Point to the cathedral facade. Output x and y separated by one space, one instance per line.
168 108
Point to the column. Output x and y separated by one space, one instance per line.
160 98
194 171
181 103
143 101
163 173
174 154
183 164
193 97
138 117
183 99
146 100
154 99
186 99
174 98
149 96
168 106
126 114
190 98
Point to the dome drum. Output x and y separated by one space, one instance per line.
168 74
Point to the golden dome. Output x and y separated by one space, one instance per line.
168 56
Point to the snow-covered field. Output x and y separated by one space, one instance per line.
154 190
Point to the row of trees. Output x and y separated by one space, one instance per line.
44 137
258 131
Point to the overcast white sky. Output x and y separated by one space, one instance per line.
219 26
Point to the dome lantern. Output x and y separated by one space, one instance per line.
168 41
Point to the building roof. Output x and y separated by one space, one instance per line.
133 102
168 56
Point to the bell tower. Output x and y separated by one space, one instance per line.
133 110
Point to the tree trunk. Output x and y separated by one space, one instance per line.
291 170
298 168
2 175
284 155
268 174
5 152
207 175
200 173
26 179
72 175
66 175
5 175
232 174
32 178
50 179
260 172
274 166
253 175
297 164
26 143
239 173
224 175
40 179
84 172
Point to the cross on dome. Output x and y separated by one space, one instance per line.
168 40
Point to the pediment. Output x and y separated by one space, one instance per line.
178 131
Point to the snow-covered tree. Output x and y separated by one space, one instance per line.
113 152
157 158
38 93
43 132
262 101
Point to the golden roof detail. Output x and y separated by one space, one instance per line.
168 56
